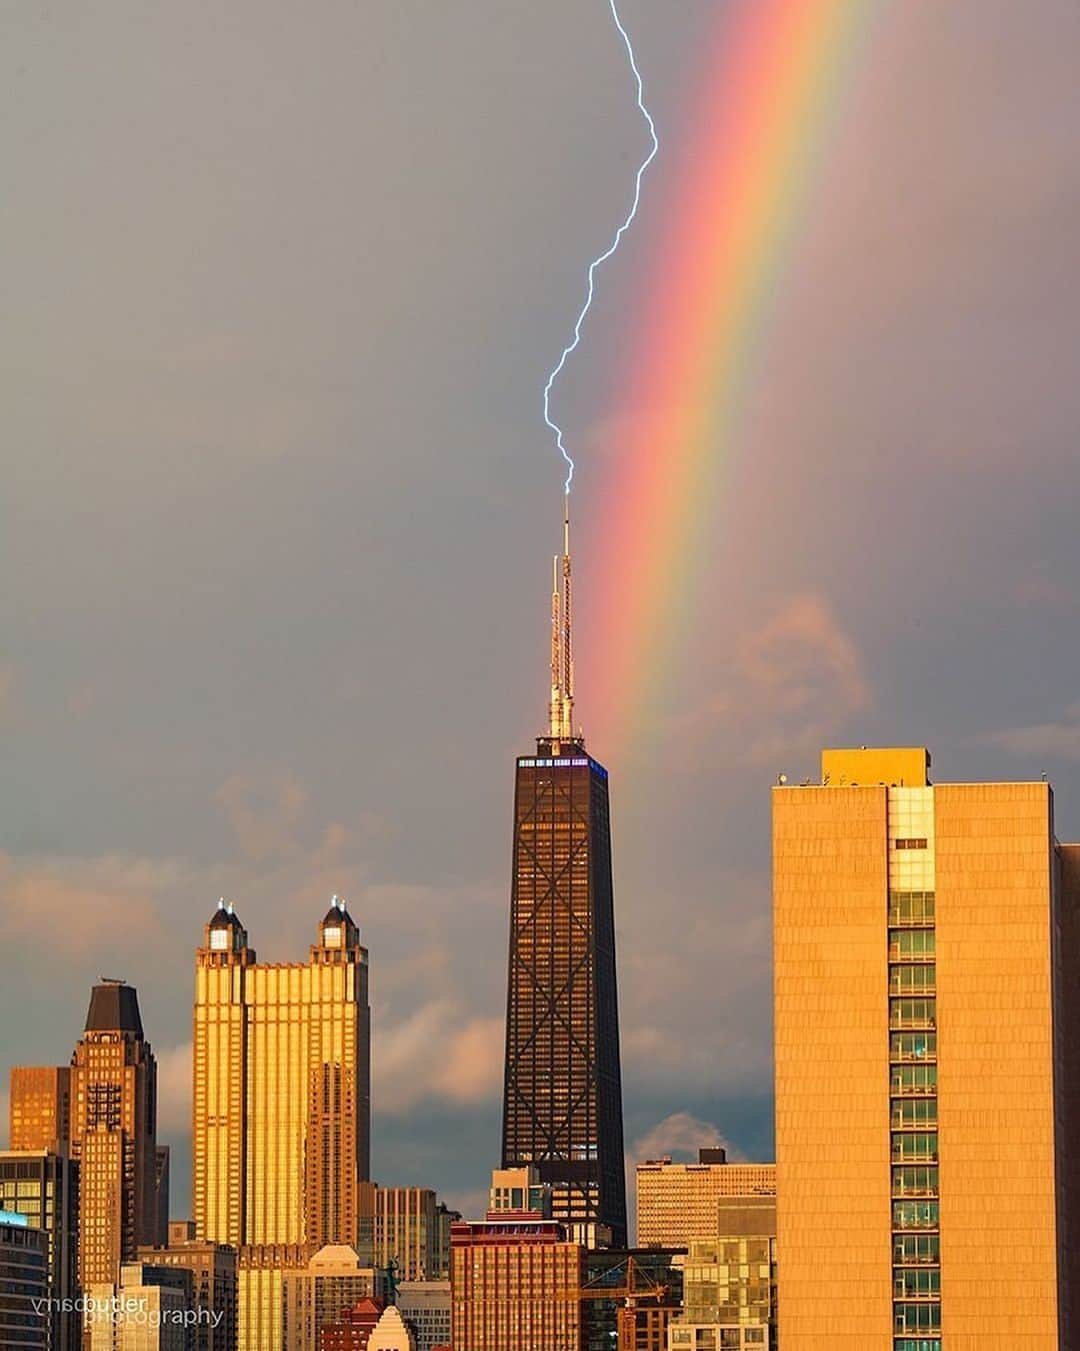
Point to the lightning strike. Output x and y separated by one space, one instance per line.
597 262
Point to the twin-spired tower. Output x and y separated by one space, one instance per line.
562 1104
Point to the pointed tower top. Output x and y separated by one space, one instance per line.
561 707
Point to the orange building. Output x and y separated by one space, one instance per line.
925 968
39 1109
515 1286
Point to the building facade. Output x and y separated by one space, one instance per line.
425 1306
391 1333
282 1106
678 1203
562 1098
516 1284
24 1281
925 968
150 1308
315 1294
406 1234
43 1188
213 1283
39 1108
114 1134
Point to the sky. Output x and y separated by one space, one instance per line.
281 286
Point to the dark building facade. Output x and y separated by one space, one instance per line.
43 1188
562 1105
24 1284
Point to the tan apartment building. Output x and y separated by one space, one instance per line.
677 1203
926 942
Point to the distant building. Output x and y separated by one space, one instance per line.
282 1110
425 1306
927 973
729 1281
213 1279
334 1279
562 1099
516 1284
24 1283
406 1231
628 1298
352 1330
677 1203
114 1134
161 1195
39 1110
43 1187
149 1309
519 1191
444 1218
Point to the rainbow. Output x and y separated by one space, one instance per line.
772 80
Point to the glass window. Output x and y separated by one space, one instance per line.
915 1181
913 1146
916 1250
915 1214
914 1079
914 1111
911 907
912 1013
909 978
911 944
913 1046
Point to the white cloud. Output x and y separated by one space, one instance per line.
680 1134
1054 740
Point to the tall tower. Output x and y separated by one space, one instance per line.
562 1104
927 946
282 1105
113 1133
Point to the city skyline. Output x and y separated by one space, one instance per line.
275 537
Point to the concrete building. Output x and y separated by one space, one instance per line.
519 1191
678 1203
150 1308
39 1108
926 979
334 1279
425 1306
516 1284
282 1110
43 1188
444 1218
213 1281
114 1134
24 1283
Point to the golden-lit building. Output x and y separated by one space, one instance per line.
925 988
282 1071
515 1286
114 1134
677 1203
39 1108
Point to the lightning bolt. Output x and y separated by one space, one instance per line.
569 349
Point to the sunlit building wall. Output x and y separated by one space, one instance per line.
925 969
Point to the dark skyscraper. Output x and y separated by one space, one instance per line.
562 1105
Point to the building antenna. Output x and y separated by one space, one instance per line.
561 708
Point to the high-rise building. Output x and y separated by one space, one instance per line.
405 1231
214 1283
315 1294
562 1103
677 1203
24 1283
149 1308
926 979
39 1108
281 1105
43 1187
114 1133
425 1306
516 1284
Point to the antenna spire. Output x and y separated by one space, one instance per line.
561 708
